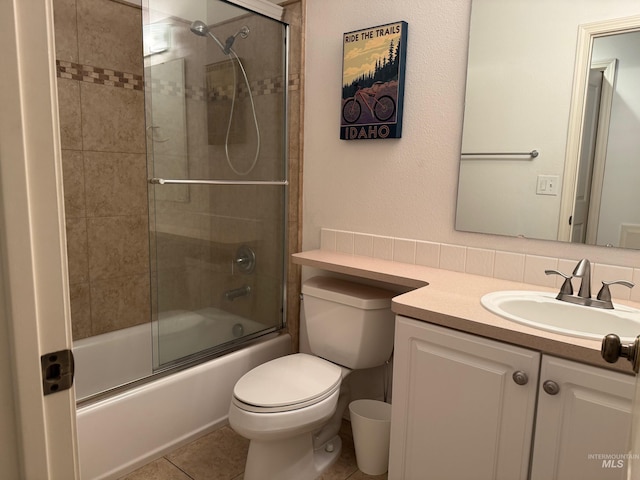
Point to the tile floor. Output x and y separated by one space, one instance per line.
220 455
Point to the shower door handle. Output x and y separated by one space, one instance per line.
165 181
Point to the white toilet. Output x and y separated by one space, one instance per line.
291 408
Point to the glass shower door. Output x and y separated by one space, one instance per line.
216 137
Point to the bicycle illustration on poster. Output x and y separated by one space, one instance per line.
373 70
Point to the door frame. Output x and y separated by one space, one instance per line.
587 33
33 241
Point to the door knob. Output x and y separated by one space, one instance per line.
612 349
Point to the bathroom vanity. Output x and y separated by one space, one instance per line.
466 407
479 396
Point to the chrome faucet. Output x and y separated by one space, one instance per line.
583 271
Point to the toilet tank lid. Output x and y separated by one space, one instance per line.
345 292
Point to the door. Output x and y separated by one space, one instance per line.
593 151
32 244
612 350
463 406
587 153
633 465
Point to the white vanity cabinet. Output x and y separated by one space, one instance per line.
457 412
464 408
582 428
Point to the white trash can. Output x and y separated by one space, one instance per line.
371 426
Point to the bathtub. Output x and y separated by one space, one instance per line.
120 433
116 358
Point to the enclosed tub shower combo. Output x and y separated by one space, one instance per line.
215 105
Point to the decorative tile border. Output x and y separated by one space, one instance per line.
102 76
265 86
114 78
517 267
166 87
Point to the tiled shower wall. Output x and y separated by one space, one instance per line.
101 102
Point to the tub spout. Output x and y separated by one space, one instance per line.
231 295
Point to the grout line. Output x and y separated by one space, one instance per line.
167 459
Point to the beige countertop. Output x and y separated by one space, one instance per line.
452 299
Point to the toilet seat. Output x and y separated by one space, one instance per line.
287 383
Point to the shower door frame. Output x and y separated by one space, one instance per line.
263 7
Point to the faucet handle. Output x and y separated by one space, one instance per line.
605 294
567 286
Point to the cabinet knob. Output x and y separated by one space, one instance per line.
551 387
520 377
612 349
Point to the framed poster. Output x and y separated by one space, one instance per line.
373 70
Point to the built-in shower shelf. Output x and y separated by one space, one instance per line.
402 274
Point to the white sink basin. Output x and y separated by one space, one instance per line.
542 310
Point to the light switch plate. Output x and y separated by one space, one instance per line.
548 185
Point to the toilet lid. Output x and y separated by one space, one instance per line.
288 382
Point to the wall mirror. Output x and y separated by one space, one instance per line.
551 135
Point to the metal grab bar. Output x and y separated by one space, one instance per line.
532 154
164 181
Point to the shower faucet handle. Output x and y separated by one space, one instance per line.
245 259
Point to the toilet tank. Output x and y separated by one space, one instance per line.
348 323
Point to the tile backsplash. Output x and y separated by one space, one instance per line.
517 267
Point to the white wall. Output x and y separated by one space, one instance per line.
403 187
519 89
518 98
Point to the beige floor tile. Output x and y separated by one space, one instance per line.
358 475
219 455
161 469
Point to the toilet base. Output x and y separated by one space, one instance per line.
327 454
290 459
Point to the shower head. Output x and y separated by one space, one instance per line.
200 28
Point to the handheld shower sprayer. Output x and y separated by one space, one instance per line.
243 32
202 29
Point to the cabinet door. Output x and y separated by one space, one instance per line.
582 431
457 412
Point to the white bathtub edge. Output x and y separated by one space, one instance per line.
122 433
150 456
